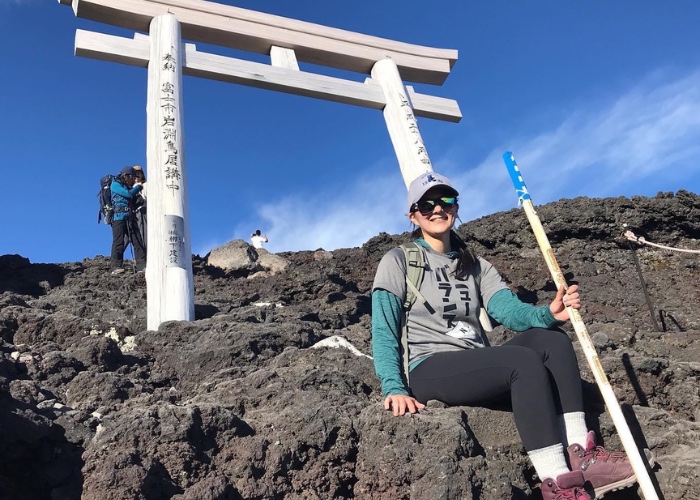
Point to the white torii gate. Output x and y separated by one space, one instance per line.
169 278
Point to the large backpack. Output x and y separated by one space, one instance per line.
415 271
104 197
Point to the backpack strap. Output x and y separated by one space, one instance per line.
415 271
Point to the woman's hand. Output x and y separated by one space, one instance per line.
563 299
401 404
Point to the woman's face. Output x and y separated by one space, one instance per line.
435 218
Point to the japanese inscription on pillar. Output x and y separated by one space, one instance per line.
168 122
175 227
171 164
418 144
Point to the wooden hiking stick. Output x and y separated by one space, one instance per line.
623 430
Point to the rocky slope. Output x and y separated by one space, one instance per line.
252 400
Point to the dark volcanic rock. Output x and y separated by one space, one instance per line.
258 397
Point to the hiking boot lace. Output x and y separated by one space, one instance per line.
599 453
569 494
574 493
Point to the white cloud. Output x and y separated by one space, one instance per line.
374 203
636 143
338 220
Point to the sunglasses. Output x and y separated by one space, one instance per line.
426 207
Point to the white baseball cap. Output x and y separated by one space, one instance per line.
421 184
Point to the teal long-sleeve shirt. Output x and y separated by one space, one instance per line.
387 312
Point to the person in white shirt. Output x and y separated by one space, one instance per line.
258 239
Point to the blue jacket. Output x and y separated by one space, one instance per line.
122 199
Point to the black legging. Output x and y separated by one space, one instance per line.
537 368
124 231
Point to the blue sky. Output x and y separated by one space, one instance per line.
594 98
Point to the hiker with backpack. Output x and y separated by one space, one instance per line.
124 190
428 343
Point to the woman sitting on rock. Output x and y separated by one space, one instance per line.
450 360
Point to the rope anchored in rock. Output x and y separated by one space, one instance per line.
640 239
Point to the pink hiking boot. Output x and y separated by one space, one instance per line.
567 486
604 470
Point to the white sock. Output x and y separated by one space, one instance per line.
549 462
574 428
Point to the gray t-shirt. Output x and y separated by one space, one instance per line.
454 325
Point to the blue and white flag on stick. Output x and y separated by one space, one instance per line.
516 177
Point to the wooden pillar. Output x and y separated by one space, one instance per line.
401 122
169 269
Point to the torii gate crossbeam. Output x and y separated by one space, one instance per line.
251 31
136 52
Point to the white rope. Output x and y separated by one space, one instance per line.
640 239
